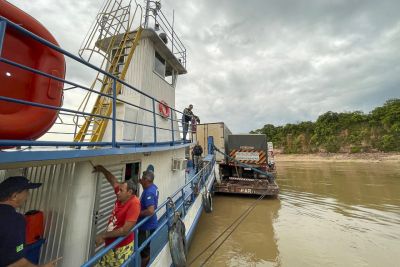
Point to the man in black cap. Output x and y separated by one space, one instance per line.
14 191
186 118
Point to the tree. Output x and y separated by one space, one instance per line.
346 131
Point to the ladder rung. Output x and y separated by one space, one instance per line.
93 127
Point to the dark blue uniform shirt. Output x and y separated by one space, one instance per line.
12 235
149 198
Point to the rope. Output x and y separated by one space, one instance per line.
237 225
270 175
241 217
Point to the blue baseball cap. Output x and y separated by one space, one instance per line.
16 184
150 168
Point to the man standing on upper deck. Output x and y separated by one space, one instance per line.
186 119
149 202
123 218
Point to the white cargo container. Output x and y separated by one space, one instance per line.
219 131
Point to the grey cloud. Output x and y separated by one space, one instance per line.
256 62
306 57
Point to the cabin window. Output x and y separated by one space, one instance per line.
159 66
164 70
170 75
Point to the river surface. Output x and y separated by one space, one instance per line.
328 214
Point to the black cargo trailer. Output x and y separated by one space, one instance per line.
249 167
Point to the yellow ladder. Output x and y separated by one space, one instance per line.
95 127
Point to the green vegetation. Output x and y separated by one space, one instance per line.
350 132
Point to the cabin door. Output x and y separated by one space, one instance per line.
105 197
132 172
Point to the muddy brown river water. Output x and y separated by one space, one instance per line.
328 214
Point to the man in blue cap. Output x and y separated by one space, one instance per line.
149 203
14 191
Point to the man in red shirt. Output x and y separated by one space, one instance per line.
123 218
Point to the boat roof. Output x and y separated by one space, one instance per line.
159 45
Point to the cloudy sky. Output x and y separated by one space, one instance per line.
255 62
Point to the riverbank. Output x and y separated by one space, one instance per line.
340 157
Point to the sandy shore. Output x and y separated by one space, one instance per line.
340 157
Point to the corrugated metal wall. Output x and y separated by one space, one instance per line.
105 199
69 212
51 198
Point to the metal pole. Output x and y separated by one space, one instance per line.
135 248
154 122
146 15
192 194
169 215
183 203
173 22
210 140
3 26
172 128
114 113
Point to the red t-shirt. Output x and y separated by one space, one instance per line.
129 211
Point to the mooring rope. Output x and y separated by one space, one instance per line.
241 218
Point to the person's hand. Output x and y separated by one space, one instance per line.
52 263
98 168
99 240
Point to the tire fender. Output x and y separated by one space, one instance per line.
207 202
177 241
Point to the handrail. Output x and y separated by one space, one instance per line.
70 55
160 21
66 111
201 176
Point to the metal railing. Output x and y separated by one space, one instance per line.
156 19
67 112
183 199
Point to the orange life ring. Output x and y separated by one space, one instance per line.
18 121
164 109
